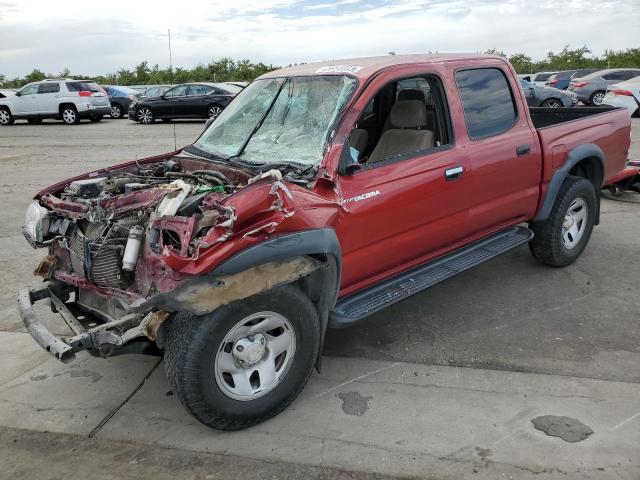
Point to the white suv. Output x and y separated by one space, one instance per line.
67 100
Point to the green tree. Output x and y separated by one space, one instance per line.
35 76
521 62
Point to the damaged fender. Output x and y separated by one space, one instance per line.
313 257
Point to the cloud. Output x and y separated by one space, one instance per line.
54 35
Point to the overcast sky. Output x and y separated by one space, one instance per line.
93 37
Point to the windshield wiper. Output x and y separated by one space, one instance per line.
199 152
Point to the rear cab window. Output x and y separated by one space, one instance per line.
487 100
49 88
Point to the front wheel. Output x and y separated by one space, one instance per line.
561 239
246 361
145 115
5 117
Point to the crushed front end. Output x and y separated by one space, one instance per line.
130 245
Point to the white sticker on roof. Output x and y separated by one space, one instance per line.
339 69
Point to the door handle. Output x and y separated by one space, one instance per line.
523 150
453 173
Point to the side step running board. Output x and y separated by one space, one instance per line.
362 304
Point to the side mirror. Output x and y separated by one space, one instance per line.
349 161
18 94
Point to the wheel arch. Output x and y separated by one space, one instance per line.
310 259
6 106
66 104
587 161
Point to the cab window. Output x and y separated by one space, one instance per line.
407 117
488 103
179 91
49 88
29 90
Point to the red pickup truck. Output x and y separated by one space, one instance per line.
323 193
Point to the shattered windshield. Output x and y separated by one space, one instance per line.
279 120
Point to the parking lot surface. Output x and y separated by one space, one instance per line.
444 384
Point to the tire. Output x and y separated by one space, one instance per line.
145 115
214 110
554 242
196 349
552 103
34 121
597 98
5 117
116 111
69 115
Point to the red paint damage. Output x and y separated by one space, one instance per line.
178 247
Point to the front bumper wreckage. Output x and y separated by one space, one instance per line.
135 332
100 340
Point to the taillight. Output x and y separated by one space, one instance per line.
553 82
84 93
580 84
625 93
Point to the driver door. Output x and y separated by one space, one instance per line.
407 205
169 105
26 103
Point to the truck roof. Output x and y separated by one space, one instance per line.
364 67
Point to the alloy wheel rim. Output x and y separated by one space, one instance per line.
214 112
145 115
255 356
4 117
553 104
115 111
598 98
575 223
69 116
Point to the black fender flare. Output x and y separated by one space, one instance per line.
316 242
575 156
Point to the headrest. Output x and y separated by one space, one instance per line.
408 114
410 94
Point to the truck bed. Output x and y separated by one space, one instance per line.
562 129
546 117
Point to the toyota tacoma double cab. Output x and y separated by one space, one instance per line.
323 193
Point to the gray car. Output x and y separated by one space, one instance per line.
592 88
547 96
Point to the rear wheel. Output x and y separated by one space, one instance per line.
69 115
559 240
246 361
597 98
145 115
5 117
551 103
214 111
